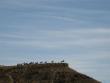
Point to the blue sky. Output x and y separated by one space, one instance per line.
77 31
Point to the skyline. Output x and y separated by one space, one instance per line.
77 31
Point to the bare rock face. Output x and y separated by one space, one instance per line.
43 73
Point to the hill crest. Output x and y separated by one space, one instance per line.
43 73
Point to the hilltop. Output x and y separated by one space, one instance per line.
42 73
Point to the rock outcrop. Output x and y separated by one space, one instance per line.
42 73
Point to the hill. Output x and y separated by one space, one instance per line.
42 73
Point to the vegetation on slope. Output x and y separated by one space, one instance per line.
42 73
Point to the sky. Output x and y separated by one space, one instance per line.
77 31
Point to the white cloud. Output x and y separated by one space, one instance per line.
59 39
65 18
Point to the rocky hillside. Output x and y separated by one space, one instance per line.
42 73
